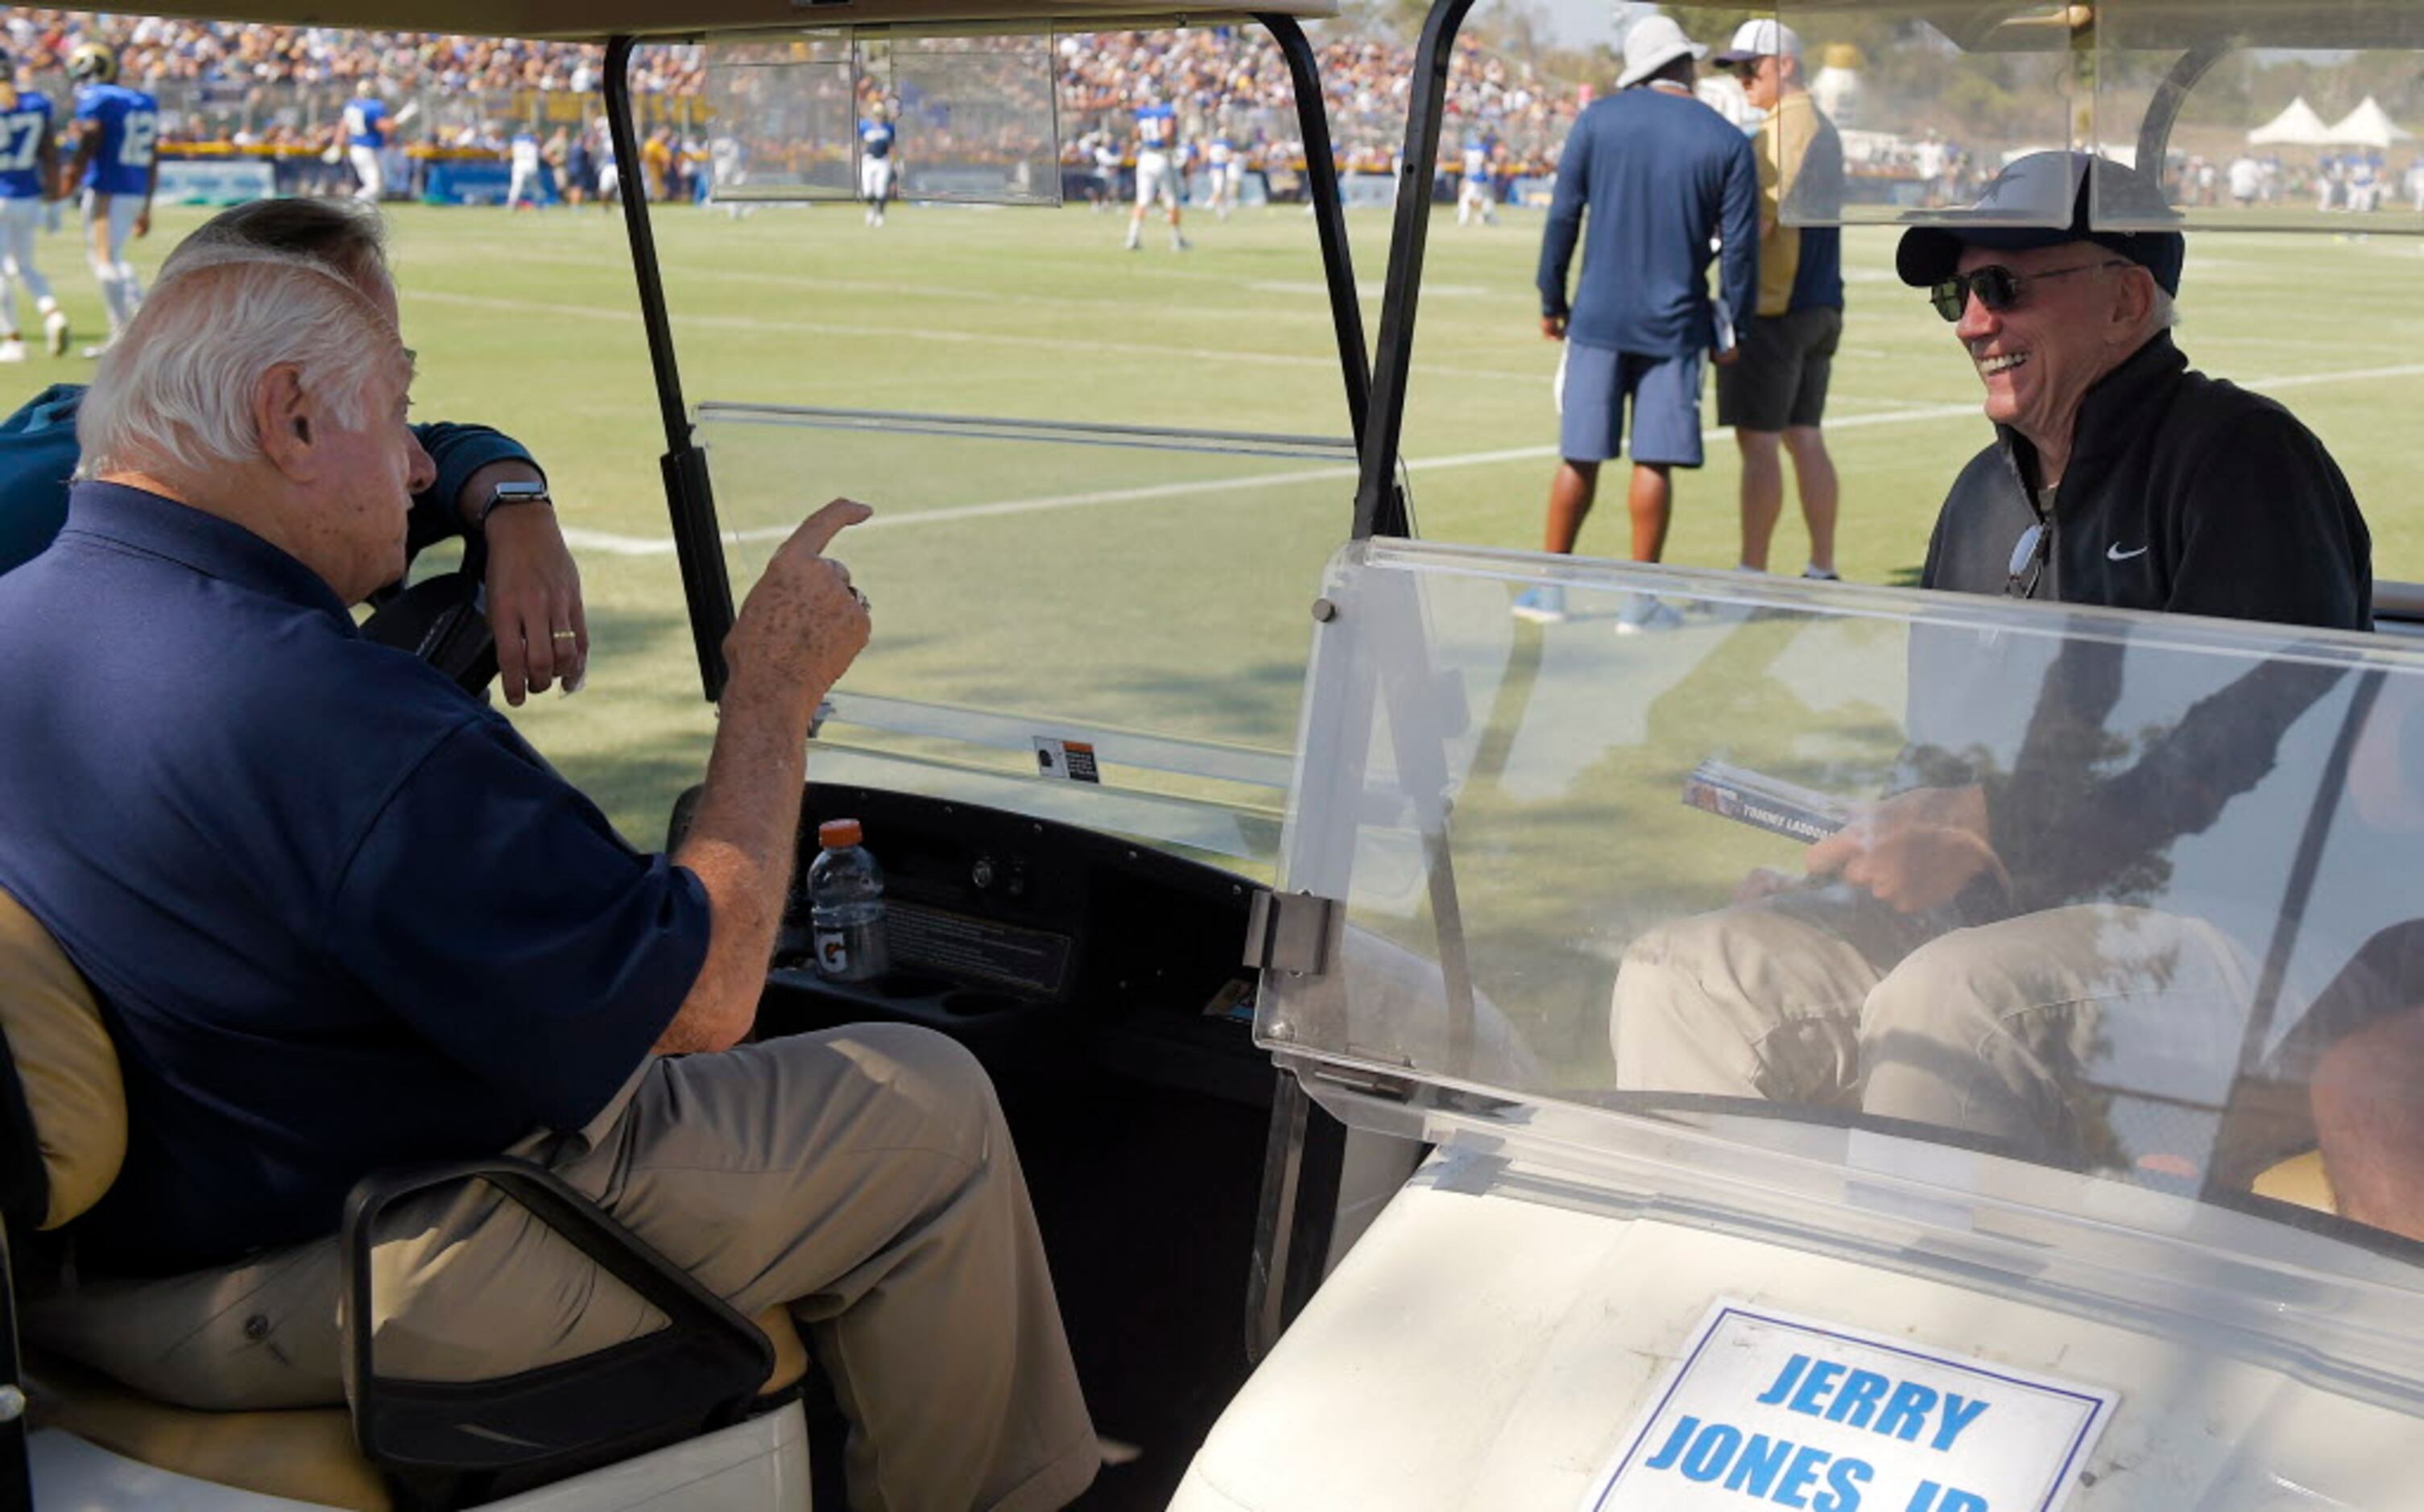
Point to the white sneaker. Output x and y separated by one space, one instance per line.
55 332
1644 614
12 350
96 352
1544 605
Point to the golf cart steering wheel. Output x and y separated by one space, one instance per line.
442 620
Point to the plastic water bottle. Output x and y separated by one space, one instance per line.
846 906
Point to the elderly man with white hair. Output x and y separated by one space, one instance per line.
486 489
339 917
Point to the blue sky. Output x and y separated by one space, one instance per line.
1579 23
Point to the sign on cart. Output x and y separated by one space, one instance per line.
1766 1410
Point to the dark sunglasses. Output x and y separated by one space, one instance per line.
1998 288
2029 562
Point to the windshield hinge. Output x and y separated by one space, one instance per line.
1290 932
1377 1084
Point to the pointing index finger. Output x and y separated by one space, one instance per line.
828 522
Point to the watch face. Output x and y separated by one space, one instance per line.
514 493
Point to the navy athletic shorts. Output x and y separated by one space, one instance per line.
1597 382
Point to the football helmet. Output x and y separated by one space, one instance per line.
92 63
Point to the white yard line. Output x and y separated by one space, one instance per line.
898 333
887 331
614 545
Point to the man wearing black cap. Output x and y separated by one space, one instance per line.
1952 956
2118 476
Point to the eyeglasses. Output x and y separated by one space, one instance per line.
1999 288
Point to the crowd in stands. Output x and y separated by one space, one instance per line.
155 49
234 84
1235 82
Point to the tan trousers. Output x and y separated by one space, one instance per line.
2024 1030
863 1176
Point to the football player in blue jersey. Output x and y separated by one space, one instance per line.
1223 169
529 170
875 139
1156 169
1474 196
29 176
365 129
610 174
114 167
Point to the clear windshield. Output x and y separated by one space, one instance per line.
953 118
1100 624
1930 100
2275 116
2120 898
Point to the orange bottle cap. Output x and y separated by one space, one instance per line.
838 834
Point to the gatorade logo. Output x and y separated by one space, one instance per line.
833 954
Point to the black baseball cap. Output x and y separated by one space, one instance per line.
1930 254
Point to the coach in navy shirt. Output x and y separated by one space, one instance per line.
338 916
1661 174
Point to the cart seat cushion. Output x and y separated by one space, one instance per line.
307 1455
791 1354
2301 1180
65 1064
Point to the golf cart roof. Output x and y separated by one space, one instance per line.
596 20
2001 24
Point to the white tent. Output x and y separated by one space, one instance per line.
2298 126
2368 125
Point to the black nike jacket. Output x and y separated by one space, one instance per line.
2184 493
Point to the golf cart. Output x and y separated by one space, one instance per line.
1066 921
2139 1292
1469 829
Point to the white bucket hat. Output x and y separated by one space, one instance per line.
1653 42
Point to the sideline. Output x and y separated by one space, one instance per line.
614 545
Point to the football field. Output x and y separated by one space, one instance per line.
1096 580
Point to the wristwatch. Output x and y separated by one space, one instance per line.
512 493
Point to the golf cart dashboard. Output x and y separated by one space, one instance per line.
1028 939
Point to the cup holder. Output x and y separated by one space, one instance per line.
969 1003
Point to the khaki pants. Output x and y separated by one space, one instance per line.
864 1177
2022 1031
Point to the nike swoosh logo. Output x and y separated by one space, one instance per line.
2114 553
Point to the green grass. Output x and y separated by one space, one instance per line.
1184 612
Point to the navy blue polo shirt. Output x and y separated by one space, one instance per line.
1660 174
337 913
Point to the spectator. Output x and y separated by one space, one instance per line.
1776 396
1661 175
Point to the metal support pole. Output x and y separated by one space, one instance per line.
1379 508
698 546
1329 216
2154 131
